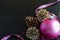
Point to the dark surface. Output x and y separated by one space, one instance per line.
13 12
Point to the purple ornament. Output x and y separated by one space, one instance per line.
50 28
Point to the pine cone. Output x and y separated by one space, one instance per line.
32 33
31 21
42 14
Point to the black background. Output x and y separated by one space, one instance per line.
13 12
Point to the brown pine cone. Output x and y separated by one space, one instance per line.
32 33
42 14
31 21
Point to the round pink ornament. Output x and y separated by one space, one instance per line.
50 28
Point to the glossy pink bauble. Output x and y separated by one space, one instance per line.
50 28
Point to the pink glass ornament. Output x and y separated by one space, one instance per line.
50 28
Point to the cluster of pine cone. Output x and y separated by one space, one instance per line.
31 22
